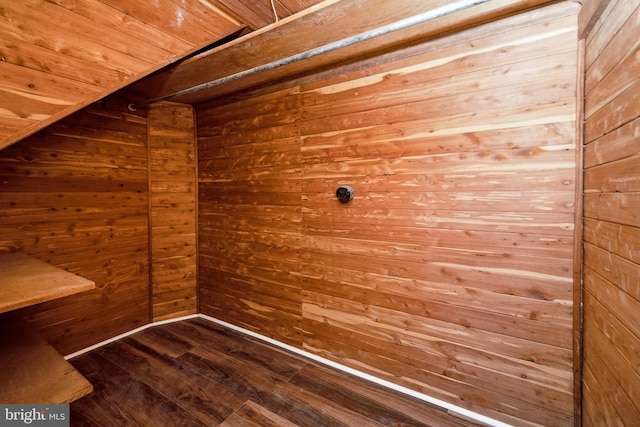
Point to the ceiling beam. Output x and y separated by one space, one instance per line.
229 68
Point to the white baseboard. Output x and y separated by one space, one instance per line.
465 413
126 334
379 381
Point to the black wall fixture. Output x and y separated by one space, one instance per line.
345 193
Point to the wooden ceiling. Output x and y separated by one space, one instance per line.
317 38
57 56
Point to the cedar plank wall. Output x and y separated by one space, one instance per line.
75 195
250 172
172 177
611 380
451 270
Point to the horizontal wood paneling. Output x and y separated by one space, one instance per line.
250 216
172 182
61 55
451 272
611 381
75 196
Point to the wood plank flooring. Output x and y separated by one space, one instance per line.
197 373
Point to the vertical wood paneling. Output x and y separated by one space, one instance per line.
75 196
451 272
172 182
611 382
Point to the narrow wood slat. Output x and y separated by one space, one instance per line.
616 145
431 80
409 139
613 329
619 395
615 238
185 25
616 289
117 22
622 208
78 29
402 293
613 115
622 176
542 223
615 69
612 18
40 58
60 56
28 26
598 402
171 309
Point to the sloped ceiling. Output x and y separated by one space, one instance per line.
57 56
321 37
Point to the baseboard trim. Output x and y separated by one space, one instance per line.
456 410
465 413
126 334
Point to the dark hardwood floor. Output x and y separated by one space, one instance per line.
196 373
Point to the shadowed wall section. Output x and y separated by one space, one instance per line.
75 196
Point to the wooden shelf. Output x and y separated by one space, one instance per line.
33 372
26 281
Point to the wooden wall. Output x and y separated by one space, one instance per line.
451 272
250 214
172 185
611 385
76 195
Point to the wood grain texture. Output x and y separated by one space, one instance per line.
611 222
76 196
195 373
172 183
339 21
27 281
33 372
250 216
60 56
451 272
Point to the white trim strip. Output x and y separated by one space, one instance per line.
384 383
126 334
434 401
